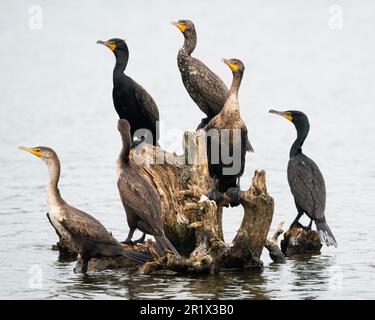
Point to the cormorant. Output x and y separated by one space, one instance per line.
132 102
227 134
139 197
305 179
83 232
207 90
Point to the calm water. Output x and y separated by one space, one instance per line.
56 91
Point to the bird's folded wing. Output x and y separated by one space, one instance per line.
307 186
143 200
245 139
149 107
208 85
84 226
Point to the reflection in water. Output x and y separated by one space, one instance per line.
130 285
311 274
302 277
306 277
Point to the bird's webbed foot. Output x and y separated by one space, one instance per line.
293 224
128 239
297 224
140 240
136 143
128 242
203 123
296 220
216 196
235 196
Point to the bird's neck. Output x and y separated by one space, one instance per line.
190 43
54 197
236 83
125 150
121 63
232 105
302 132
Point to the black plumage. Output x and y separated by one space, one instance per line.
132 102
207 90
81 231
227 135
139 197
305 179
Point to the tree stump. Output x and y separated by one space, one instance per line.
192 222
300 240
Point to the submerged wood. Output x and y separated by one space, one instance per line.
192 222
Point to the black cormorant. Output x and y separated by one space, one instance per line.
83 232
139 197
305 179
227 134
207 90
132 102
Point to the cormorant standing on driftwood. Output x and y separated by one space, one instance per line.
207 90
84 233
139 197
305 179
132 102
227 134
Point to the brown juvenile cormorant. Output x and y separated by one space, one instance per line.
207 90
132 102
228 122
305 179
139 197
83 232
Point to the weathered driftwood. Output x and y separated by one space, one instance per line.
300 240
193 223
272 246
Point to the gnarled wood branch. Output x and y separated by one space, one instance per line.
272 245
192 222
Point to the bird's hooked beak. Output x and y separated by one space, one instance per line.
33 151
108 44
181 26
284 114
232 66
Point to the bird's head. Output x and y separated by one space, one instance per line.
44 153
185 26
116 45
235 65
298 118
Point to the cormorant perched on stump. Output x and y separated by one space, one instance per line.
139 197
227 135
207 90
132 102
305 179
84 233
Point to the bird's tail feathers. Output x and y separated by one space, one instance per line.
137 256
249 147
162 243
326 234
